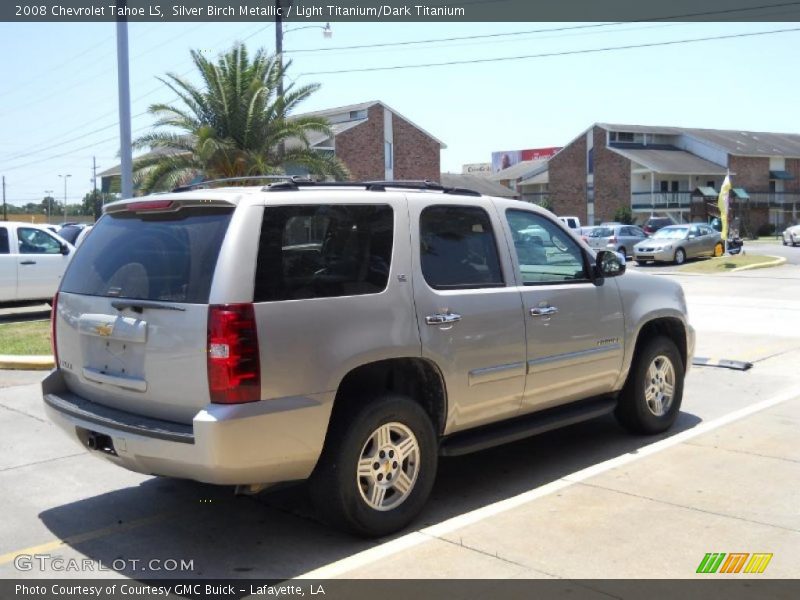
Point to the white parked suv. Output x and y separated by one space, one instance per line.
32 262
349 334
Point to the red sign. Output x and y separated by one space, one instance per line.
504 159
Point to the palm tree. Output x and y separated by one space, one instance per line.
235 125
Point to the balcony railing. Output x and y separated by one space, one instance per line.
683 200
660 200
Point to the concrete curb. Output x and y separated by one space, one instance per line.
40 362
779 260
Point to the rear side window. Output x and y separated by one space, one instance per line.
4 247
323 251
168 257
458 249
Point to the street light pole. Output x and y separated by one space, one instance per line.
65 196
48 204
124 93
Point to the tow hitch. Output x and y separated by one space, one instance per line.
99 442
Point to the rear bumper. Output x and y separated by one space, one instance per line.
260 442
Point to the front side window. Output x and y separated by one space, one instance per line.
545 252
33 241
458 249
323 251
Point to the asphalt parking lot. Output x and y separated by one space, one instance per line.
586 502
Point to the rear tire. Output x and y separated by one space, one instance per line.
392 432
651 399
680 256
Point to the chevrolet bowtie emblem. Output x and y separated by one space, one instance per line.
104 330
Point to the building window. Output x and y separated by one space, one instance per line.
358 114
590 161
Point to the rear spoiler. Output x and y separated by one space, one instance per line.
162 205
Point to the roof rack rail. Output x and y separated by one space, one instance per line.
372 186
208 182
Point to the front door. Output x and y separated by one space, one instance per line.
40 264
469 311
574 327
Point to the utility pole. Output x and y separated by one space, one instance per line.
5 217
279 59
125 150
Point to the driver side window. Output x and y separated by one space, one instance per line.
545 252
33 241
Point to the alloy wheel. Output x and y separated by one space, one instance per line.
660 385
388 466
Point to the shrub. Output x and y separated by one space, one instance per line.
765 229
624 215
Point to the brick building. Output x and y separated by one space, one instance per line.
374 141
667 171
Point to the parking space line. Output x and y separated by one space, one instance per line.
415 538
86 536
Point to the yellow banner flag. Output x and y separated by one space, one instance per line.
722 203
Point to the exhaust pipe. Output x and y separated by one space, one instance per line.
100 442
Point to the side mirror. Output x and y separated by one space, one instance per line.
64 249
609 264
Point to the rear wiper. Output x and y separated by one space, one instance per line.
140 305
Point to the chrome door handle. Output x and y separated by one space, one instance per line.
442 318
543 311
28 262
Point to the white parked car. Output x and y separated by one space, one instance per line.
791 236
32 262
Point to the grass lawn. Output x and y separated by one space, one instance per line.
725 263
28 337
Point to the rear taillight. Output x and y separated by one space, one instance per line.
53 315
612 240
234 372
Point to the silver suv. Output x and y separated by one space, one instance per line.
349 335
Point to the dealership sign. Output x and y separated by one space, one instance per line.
479 169
508 158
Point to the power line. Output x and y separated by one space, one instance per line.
550 54
39 150
546 30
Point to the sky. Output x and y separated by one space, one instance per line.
58 98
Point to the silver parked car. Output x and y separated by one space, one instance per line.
791 236
349 334
676 243
617 237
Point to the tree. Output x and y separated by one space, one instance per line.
234 125
93 202
624 215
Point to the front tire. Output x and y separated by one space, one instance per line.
651 399
680 256
377 468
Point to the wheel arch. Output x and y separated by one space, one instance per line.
418 378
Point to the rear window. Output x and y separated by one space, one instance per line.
323 251
169 257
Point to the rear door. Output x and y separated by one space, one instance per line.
8 267
574 328
469 311
40 263
132 312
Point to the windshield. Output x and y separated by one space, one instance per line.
671 233
598 232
